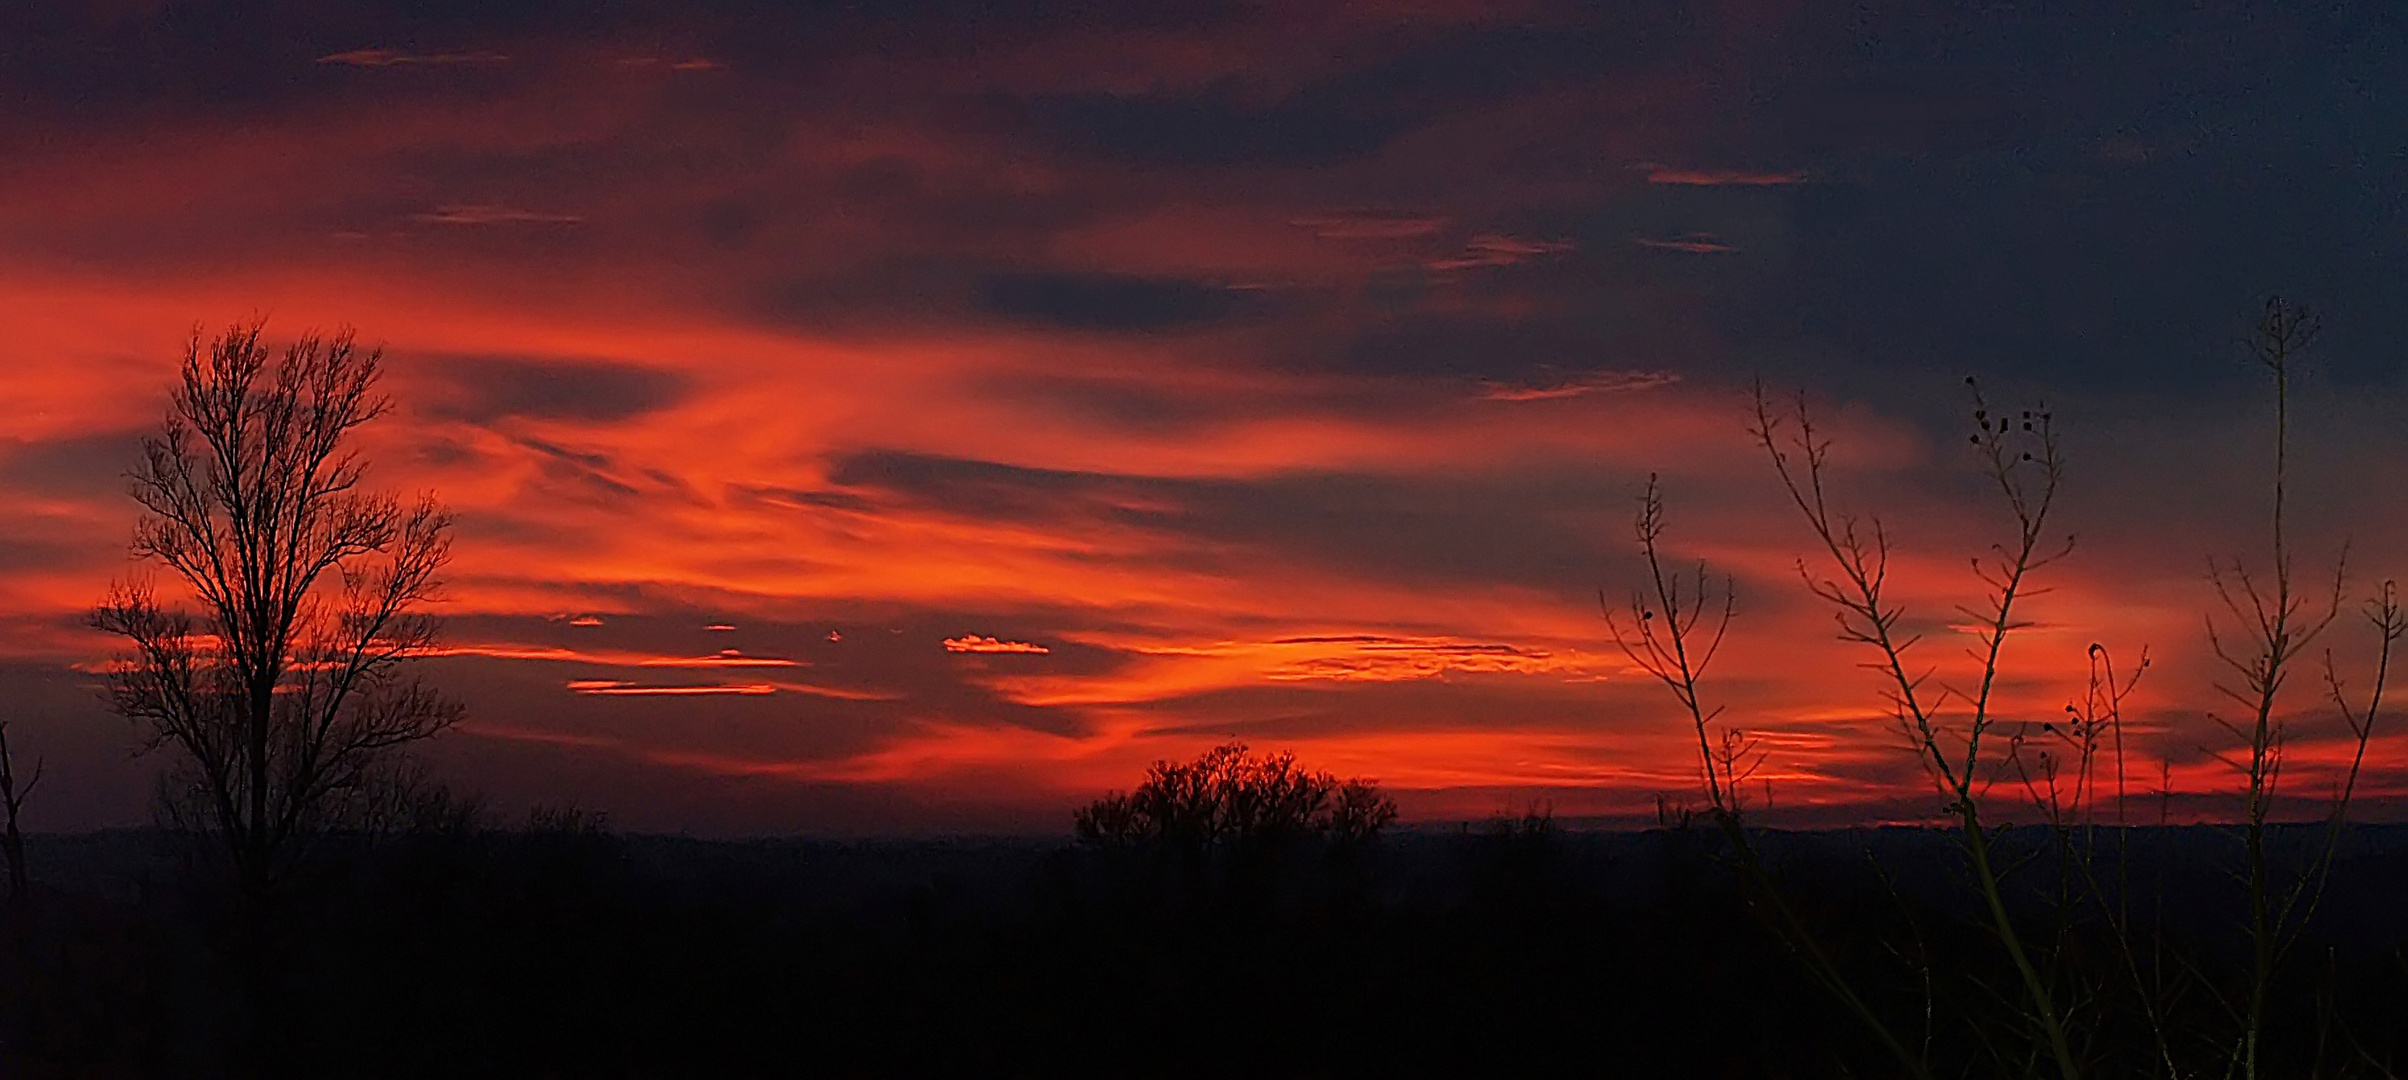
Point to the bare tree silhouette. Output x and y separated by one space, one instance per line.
2021 458
286 693
1230 797
1676 623
1663 630
2278 622
1672 627
13 794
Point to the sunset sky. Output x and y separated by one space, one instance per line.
915 417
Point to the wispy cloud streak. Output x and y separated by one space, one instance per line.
385 58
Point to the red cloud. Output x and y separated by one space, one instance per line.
1581 386
1371 225
612 688
382 58
1692 243
1667 174
1492 249
470 214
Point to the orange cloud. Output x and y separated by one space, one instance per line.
611 688
727 659
973 643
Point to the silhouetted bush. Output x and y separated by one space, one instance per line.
1231 797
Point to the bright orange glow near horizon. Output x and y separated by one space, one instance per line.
936 447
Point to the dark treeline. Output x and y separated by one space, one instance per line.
562 949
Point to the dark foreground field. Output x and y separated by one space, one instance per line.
571 952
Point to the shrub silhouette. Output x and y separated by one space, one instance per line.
1228 797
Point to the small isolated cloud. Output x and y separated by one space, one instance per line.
726 658
1380 658
1595 382
480 214
695 63
615 688
974 643
1370 225
586 620
385 58
1496 249
1668 174
720 627
1691 243
835 693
